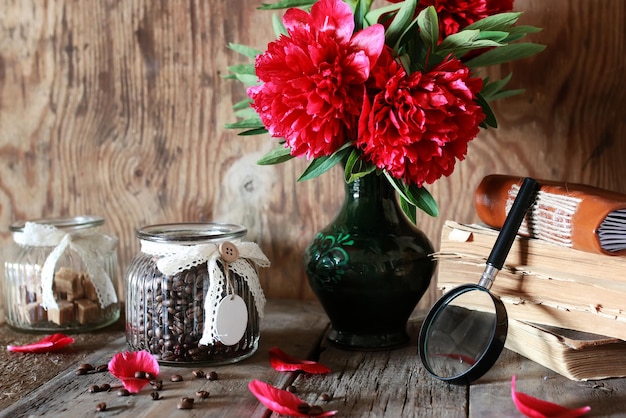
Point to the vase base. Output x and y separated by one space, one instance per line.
367 342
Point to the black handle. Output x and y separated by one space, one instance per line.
524 199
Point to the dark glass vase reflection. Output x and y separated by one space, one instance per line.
369 268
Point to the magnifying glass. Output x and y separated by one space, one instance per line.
459 343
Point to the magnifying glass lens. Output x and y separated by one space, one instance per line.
459 339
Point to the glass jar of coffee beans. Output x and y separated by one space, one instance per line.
61 275
193 293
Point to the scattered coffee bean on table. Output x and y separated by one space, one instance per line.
325 397
123 392
292 389
202 394
101 407
185 403
176 378
198 373
102 368
105 387
155 396
212 376
93 389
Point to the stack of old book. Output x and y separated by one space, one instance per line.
564 281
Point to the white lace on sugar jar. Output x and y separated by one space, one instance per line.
225 318
78 234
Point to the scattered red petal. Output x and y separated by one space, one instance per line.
538 408
50 343
125 365
283 362
280 401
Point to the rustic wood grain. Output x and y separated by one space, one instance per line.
117 109
296 327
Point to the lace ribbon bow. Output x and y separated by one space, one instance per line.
91 247
178 258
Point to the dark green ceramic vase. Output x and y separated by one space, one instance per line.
369 268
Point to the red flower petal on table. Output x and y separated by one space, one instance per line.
125 365
50 343
537 408
283 362
280 401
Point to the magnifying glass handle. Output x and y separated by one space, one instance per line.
524 199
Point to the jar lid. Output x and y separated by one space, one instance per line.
74 222
191 232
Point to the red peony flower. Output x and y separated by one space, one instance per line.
125 366
416 126
313 79
50 343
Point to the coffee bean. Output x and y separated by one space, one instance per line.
80 372
93 389
292 389
140 375
202 394
101 407
325 397
185 403
176 378
123 392
212 376
86 367
157 384
316 410
304 408
102 368
105 387
198 373
155 396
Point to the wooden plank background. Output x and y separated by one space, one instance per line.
117 108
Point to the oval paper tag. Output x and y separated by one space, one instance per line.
231 320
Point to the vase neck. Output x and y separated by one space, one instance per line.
371 188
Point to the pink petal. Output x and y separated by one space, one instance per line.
283 362
538 408
280 401
125 365
49 343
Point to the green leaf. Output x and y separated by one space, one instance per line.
242 69
322 164
492 88
279 27
243 104
461 42
505 53
421 198
409 210
244 50
356 167
500 21
284 4
248 79
490 117
278 155
252 123
401 19
429 27
373 16
507 93
250 132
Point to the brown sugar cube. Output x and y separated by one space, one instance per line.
34 313
68 284
90 289
87 311
63 315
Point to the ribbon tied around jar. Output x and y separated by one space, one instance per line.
91 246
236 257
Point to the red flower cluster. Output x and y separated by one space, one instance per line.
416 125
322 87
313 79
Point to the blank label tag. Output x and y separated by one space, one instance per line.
231 320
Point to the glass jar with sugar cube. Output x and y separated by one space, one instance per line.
61 275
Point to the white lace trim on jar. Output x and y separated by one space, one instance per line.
176 258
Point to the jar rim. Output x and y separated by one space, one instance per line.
191 232
72 222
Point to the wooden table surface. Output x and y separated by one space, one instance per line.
362 384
